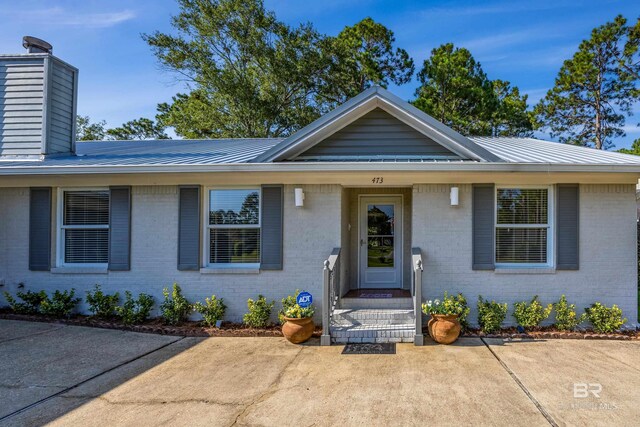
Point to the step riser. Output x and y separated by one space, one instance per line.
381 303
372 325
345 323
370 340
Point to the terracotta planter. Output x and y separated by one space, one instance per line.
444 328
298 330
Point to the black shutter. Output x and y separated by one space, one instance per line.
567 227
189 228
40 229
483 227
271 227
120 228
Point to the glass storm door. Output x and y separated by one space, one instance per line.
380 242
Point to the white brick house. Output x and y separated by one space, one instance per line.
505 218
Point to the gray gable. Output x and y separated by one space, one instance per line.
377 134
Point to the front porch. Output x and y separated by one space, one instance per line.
369 280
371 315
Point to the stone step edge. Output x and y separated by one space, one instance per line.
356 340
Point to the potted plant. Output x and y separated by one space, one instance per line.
444 325
298 326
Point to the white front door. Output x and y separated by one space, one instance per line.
380 232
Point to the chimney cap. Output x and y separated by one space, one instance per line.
36 45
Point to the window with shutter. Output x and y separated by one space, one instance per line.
85 227
233 226
523 226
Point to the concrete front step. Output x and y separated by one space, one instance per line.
376 303
371 326
348 316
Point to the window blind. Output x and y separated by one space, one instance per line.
522 225
86 208
521 245
239 245
234 226
86 246
86 227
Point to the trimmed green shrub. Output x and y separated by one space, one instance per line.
61 304
491 315
102 305
212 310
530 315
259 312
31 301
287 302
135 310
175 309
605 319
566 317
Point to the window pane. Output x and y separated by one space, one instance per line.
521 245
234 207
234 245
380 220
380 252
522 206
86 246
86 208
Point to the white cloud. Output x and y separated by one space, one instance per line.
497 42
631 129
58 16
496 8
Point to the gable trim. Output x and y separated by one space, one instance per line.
360 105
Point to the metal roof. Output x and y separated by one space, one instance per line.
236 154
155 153
530 150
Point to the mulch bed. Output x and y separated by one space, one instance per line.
549 332
230 329
155 326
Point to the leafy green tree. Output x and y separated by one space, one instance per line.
595 88
141 128
635 148
249 74
87 131
455 90
510 117
364 55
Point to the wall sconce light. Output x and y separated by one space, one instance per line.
299 197
454 196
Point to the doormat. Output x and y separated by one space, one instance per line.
376 295
370 348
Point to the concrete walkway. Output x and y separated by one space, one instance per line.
68 375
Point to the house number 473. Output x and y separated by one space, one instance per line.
377 180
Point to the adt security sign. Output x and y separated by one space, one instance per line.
304 299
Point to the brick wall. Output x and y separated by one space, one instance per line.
310 233
607 252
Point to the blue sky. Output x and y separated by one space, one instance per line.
523 42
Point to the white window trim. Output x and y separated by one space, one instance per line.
61 227
209 266
550 229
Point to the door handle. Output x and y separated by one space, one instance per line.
361 242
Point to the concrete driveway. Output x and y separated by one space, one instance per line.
67 375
